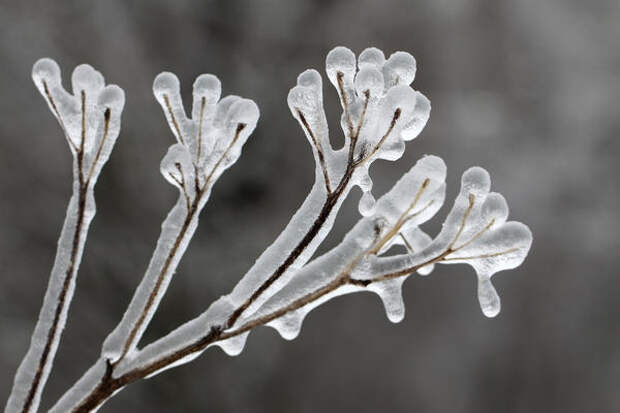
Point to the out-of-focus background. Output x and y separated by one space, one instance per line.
528 89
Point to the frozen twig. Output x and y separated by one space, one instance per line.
90 120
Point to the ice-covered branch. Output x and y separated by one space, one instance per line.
208 143
90 120
380 112
477 222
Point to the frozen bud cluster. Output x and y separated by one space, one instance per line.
477 232
90 117
380 112
211 140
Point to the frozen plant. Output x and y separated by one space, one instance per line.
380 113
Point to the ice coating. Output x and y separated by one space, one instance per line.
415 198
399 69
391 295
90 119
487 296
207 87
380 112
421 114
177 168
475 232
377 118
372 57
207 144
340 61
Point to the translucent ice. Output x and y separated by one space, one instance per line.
207 144
90 120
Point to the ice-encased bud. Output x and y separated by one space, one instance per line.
86 78
494 208
371 57
369 79
487 296
46 69
310 78
177 157
207 86
112 96
340 59
476 181
392 149
243 111
399 69
222 108
399 97
165 83
421 114
400 198
304 99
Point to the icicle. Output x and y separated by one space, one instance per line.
487 296
367 204
391 295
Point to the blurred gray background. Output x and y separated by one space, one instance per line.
528 89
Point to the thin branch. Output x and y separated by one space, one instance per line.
328 206
476 257
174 119
407 244
355 136
472 200
191 211
203 103
345 103
106 128
48 95
476 236
62 302
183 187
318 147
401 220
383 138
240 127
